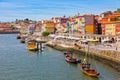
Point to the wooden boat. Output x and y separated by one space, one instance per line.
18 36
31 45
86 68
70 59
22 40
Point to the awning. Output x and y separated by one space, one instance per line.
92 40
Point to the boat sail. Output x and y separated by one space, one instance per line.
86 66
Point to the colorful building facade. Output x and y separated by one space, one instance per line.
49 26
111 24
90 24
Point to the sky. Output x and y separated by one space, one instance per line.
10 10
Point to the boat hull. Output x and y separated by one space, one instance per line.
90 74
32 49
89 71
71 60
31 45
18 37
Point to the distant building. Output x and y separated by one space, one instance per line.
48 26
63 24
31 29
38 26
105 14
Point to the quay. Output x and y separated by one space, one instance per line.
106 54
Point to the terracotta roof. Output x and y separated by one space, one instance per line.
108 22
48 21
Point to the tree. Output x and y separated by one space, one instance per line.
45 33
115 19
118 9
26 20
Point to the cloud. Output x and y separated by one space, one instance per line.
36 9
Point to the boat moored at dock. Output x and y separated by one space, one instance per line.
31 45
18 36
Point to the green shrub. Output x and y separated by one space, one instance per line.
45 33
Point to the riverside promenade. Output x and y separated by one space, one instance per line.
104 53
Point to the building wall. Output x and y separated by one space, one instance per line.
49 27
89 19
90 28
103 29
117 30
63 20
109 29
49 24
90 24
99 29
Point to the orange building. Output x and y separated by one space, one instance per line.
111 28
90 28
110 24
117 30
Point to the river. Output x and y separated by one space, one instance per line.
17 63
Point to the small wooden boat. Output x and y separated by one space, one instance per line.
22 40
85 68
31 45
70 59
18 36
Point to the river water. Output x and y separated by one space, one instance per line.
17 63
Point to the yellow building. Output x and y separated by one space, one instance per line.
49 27
110 29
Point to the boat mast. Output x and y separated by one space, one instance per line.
87 54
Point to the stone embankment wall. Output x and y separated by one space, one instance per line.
109 57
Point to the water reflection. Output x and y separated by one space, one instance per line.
33 53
